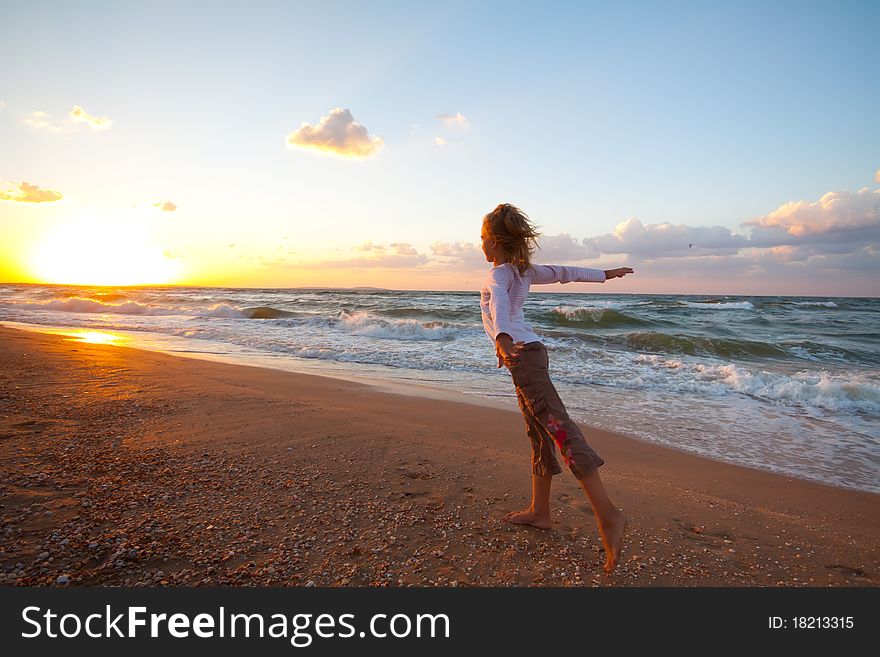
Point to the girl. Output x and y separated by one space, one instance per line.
508 241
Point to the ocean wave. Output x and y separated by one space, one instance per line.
369 325
818 304
700 346
592 317
719 305
840 393
784 304
431 313
266 312
817 351
85 305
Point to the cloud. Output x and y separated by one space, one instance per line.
565 248
167 206
338 133
829 246
459 254
387 261
657 240
400 248
796 242
440 141
28 193
369 246
2 104
837 216
398 255
42 121
79 115
776 270
454 119
404 249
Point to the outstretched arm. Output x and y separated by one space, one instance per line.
620 272
565 274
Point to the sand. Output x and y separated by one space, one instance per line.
120 466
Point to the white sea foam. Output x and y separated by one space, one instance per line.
369 325
720 305
575 312
850 392
81 305
821 304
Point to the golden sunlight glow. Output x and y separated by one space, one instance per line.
96 251
94 337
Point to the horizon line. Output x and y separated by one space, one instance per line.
472 291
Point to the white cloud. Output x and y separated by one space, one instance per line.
829 246
401 248
369 246
42 121
829 219
564 248
462 255
385 261
2 104
398 255
656 240
798 270
440 141
79 115
27 193
454 119
337 133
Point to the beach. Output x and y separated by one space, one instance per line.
122 466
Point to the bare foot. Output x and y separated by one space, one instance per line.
612 537
529 517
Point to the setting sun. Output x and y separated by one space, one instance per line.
96 251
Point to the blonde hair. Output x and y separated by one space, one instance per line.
512 228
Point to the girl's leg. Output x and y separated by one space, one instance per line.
611 520
538 514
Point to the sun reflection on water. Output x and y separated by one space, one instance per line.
94 337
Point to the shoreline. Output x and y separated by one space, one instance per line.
380 383
160 469
409 389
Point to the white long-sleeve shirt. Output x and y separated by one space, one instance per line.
505 290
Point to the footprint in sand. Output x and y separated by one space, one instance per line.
847 571
575 503
699 533
410 473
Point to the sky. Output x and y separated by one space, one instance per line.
716 148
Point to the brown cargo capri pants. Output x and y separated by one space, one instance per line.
547 422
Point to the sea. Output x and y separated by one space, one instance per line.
785 384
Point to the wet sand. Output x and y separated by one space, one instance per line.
120 466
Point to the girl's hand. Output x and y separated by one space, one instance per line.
507 350
620 272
